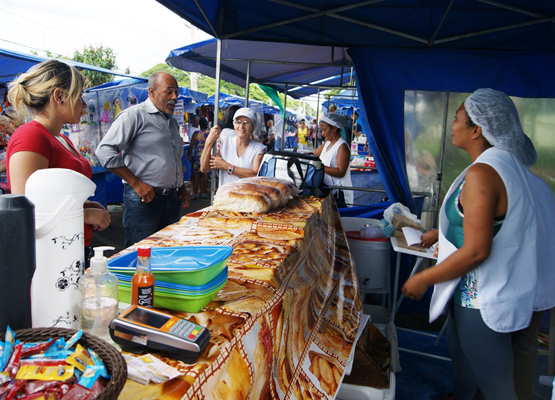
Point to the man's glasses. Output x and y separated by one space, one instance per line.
244 123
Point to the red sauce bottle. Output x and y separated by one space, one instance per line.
142 283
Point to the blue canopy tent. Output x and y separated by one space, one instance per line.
449 45
226 100
13 63
193 95
346 101
185 93
273 64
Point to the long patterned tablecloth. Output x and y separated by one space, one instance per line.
283 326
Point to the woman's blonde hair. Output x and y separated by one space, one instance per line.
33 89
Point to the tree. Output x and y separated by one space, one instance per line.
101 56
180 76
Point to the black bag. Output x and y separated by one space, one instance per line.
306 171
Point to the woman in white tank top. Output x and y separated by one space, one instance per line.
239 156
336 156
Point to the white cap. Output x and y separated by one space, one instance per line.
246 112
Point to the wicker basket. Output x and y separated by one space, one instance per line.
113 360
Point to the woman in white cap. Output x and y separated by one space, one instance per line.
336 156
496 247
238 156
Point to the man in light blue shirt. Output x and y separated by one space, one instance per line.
144 148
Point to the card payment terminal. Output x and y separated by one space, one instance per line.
139 328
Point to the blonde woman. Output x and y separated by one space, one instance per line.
52 92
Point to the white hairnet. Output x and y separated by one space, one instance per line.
496 114
334 119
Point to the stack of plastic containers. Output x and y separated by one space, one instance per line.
187 278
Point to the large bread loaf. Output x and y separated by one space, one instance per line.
242 200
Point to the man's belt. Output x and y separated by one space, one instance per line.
165 192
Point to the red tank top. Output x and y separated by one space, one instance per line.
36 138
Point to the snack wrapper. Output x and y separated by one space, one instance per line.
8 348
73 340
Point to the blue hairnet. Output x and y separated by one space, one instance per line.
496 114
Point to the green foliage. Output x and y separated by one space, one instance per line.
179 75
103 57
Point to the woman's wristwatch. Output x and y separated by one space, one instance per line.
230 170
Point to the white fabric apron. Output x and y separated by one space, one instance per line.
329 158
516 279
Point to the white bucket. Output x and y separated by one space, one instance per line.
371 257
354 224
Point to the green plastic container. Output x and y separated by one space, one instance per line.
191 300
187 265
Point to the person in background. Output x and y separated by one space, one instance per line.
355 126
239 155
318 135
18 117
199 180
144 148
226 123
53 92
193 128
336 157
269 139
332 108
8 126
496 248
313 130
301 135
352 128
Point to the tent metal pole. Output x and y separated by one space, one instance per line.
436 195
447 9
317 111
494 30
313 13
98 115
216 113
247 83
284 117
516 9
206 18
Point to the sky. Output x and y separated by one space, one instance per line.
141 32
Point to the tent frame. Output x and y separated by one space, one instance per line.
219 60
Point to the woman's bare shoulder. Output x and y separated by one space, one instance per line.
484 176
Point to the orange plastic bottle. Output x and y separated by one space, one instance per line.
142 283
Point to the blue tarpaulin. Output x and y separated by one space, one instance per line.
272 64
13 63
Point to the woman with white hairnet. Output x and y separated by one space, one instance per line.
494 266
336 156
239 156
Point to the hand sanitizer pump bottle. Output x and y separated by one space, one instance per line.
99 296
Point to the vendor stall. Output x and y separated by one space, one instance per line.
285 323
